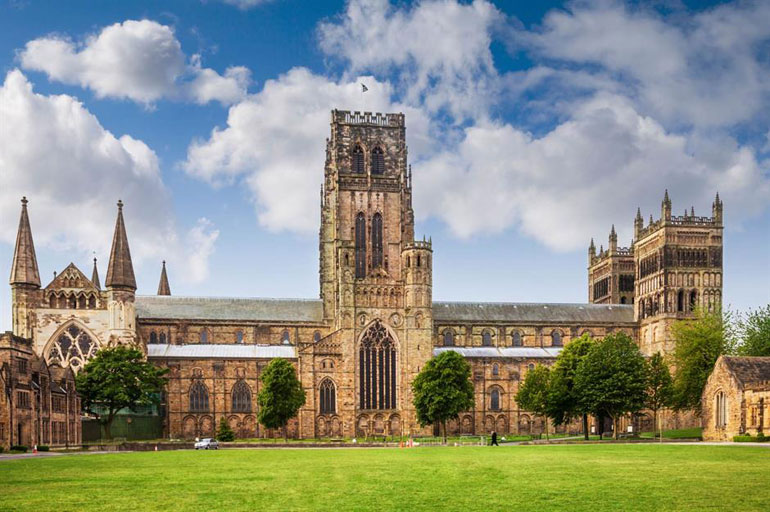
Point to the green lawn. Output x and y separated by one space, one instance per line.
566 477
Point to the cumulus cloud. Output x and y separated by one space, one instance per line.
706 69
245 4
439 50
139 60
56 153
594 169
274 143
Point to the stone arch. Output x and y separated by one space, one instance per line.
378 425
501 424
189 427
71 346
489 424
525 424
248 427
466 425
206 426
362 426
235 423
394 424
320 427
377 364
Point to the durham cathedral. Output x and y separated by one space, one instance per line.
357 347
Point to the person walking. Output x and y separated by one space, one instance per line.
494 439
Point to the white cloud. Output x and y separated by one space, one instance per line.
245 4
56 153
588 172
137 60
274 143
703 70
439 50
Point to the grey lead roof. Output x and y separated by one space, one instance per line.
448 312
229 308
157 351
494 352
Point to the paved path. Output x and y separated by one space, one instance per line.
30 455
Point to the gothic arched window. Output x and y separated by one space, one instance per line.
449 338
495 369
199 397
680 301
516 339
376 240
204 336
377 369
328 397
317 336
72 348
358 160
378 161
720 410
239 336
153 337
285 337
494 399
360 245
693 300
486 339
556 339
162 338
241 396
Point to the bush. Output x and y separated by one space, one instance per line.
19 448
751 439
2 449
225 433
44 448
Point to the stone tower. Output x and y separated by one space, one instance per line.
678 264
611 273
121 287
25 278
375 279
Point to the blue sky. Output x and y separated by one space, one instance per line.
532 127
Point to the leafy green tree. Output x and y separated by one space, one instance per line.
118 378
534 391
225 433
281 395
699 341
611 379
660 387
563 403
442 390
755 333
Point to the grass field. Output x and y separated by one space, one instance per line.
580 477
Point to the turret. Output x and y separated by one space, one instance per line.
638 224
417 264
716 210
613 240
95 277
121 286
665 207
163 287
591 252
25 278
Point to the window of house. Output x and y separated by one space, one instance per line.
162 338
241 397
317 336
449 338
378 161
328 397
199 397
358 160
516 339
285 337
360 245
22 400
153 337
239 336
377 240
494 400
556 339
204 336
495 370
486 339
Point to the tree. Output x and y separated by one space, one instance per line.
225 433
281 395
660 388
699 342
442 390
563 403
611 379
533 393
118 378
755 333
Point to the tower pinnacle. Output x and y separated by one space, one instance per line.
163 287
95 277
120 271
24 268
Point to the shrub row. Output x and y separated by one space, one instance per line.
19 448
751 439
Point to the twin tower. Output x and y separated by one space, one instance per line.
672 268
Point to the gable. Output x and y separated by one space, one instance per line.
71 278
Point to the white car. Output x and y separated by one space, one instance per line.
207 444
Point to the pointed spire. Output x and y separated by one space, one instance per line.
666 200
95 277
665 207
163 287
692 211
639 213
24 269
650 220
120 271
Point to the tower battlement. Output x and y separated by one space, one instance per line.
394 120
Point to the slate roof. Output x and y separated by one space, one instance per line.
157 351
522 312
503 352
228 308
749 371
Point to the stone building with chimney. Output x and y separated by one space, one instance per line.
375 324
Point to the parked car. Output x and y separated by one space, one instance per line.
207 444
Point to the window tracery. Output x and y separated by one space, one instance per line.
328 397
241 397
377 369
73 347
199 397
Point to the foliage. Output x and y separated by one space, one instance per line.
751 439
562 403
443 389
281 396
19 448
660 387
611 379
44 448
225 433
117 378
754 332
533 393
699 342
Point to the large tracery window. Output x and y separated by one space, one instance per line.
328 397
377 369
494 399
72 348
358 160
378 161
377 240
241 397
360 245
199 397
